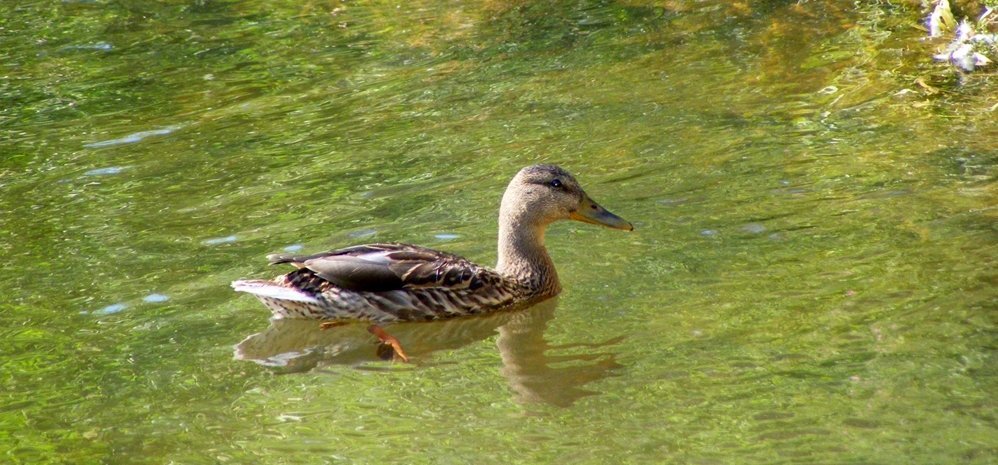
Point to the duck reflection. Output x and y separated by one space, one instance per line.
533 372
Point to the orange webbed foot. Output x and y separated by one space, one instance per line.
387 341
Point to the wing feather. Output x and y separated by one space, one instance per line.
386 267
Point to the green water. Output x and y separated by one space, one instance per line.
812 278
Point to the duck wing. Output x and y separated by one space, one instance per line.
387 267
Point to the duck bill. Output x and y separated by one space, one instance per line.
592 212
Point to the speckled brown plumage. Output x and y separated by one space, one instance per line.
403 283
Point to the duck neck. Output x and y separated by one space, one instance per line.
522 255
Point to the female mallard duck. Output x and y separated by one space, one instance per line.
383 283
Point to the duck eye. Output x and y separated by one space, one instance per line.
556 183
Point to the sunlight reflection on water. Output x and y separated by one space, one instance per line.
134 137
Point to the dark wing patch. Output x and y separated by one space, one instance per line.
386 267
355 273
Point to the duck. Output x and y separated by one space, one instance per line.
385 283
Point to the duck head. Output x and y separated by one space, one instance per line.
541 194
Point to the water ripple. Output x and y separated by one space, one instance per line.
155 298
110 309
133 137
219 240
105 171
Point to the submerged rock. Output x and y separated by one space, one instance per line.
969 49
941 19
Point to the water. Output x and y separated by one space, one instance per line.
811 279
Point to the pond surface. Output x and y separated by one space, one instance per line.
812 277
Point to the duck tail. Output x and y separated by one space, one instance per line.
269 289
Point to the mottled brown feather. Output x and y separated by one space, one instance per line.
390 266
